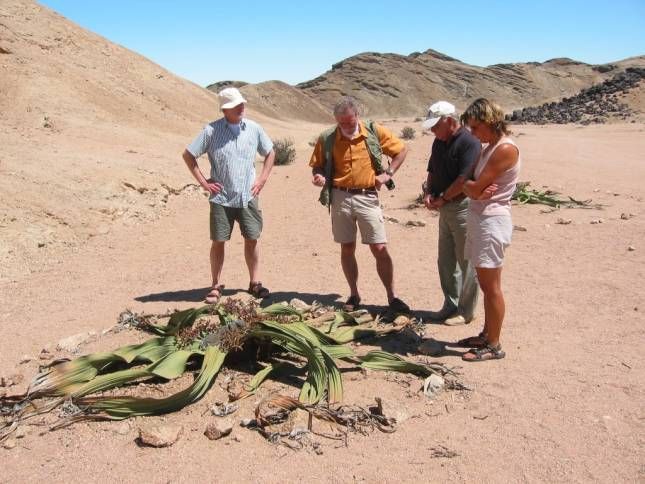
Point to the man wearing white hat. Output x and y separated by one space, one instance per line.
454 152
231 144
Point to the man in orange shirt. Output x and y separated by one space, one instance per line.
354 193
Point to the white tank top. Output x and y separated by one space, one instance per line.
500 202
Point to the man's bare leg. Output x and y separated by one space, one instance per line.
350 266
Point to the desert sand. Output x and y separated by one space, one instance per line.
87 229
565 405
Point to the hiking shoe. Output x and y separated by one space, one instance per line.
442 315
457 320
398 307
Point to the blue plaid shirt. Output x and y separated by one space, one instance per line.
232 158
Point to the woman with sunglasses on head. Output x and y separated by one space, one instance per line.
489 226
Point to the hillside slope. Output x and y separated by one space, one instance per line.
398 85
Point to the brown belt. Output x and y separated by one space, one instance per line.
356 190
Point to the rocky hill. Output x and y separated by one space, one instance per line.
279 100
596 104
399 85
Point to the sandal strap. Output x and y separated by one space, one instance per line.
257 289
494 350
354 300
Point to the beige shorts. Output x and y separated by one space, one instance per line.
487 237
349 210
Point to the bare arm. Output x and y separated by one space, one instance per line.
455 188
395 164
208 185
317 171
264 176
504 158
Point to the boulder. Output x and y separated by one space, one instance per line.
159 435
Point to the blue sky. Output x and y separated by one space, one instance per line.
254 41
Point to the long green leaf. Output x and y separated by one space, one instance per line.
258 379
182 319
279 309
382 360
172 365
124 407
106 382
314 387
335 380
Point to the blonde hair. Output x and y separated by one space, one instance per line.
486 112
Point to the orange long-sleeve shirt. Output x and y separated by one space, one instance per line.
352 163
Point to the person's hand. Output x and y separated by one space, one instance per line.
427 201
433 203
257 187
381 180
488 192
318 180
212 186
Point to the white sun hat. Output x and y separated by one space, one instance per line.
230 97
436 112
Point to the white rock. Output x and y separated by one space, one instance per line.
433 385
160 435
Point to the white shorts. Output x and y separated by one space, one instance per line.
487 237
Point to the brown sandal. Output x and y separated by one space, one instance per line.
214 295
352 304
486 353
257 290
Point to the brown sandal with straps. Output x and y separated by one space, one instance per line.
257 290
352 304
214 295
486 353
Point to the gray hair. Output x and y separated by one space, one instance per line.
347 103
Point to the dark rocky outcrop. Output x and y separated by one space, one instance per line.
596 104
400 85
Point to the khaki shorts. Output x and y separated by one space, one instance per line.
364 210
487 238
222 220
